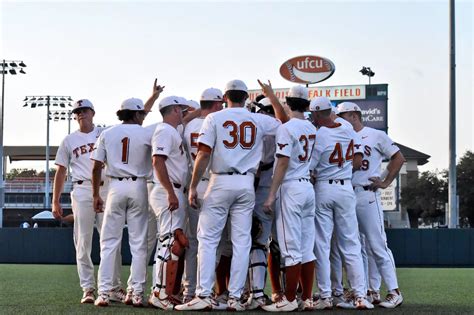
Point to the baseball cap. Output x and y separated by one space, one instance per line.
82 104
195 105
235 85
298 91
212 94
345 107
264 105
173 100
133 104
320 103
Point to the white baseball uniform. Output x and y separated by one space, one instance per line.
376 146
235 136
125 150
335 207
74 151
295 203
167 142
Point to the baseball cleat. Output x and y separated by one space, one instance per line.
117 295
373 297
392 300
102 300
276 296
128 298
88 296
255 303
196 304
160 302
346 301
361 303
323 304
137 300
338 298
219 303
306 305
282 305
235 305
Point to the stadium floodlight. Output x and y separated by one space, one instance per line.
6 68
368 72
47 101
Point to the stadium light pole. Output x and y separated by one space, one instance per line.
47 101
368 72
452 188
8 67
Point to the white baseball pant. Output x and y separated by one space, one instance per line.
337 284
335 211
371 225
126 202
233 196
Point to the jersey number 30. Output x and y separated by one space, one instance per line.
243 134
337 157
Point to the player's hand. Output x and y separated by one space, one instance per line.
268 204
193 198
266 88
157 89
57 211
173 202
377 183
98 205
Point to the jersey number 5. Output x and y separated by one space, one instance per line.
125 149
337 157
193 143
243 134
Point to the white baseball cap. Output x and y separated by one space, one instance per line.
193 104
235 85
212 94
320 103
133 104
173 100
345 107
82 104
298 91
264 105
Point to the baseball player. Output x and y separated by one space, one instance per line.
170 166
231 140
74 151
127 197
291 185
376 146
211 101
334 159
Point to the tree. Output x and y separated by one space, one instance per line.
425 198
465 187
21 172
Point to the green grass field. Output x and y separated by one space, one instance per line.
54 289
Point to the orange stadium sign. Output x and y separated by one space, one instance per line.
343 92
307 69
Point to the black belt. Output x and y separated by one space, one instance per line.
366 187
236 173
303 179
80 182
134 178
204 179
176 185
336 181
266 167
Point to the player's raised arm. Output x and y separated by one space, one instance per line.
157 89
280 112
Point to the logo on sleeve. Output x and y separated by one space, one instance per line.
282 145
363 137
160 148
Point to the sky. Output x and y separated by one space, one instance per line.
108 51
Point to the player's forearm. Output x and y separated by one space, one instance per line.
159 165
393 167
279 174
191 115
280 112
96 178
149 103
200 165
58 186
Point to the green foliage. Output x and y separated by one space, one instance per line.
21 172
465 187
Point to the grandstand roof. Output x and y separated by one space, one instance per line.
29 153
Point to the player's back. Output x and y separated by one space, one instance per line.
333 154
127 150
235 135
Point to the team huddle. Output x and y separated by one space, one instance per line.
225 196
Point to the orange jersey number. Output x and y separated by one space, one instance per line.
193 143
306 140
337 156
125 148
243 134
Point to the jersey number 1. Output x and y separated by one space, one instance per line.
125 148
337 157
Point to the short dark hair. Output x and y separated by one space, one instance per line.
297 104
166 110
125 114
259 98
236 96
207 104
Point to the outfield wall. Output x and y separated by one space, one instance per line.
410 247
